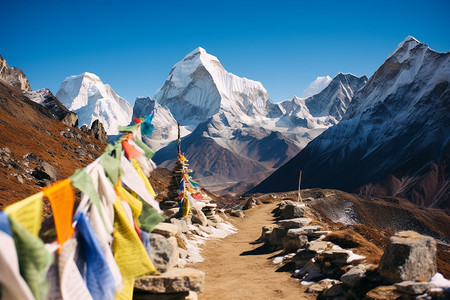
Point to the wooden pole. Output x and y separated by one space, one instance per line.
299 182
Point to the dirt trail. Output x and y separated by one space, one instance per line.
237 269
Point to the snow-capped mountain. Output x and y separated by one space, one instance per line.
164 124
238 132
198 87
13 76
394 138
316 86
91 99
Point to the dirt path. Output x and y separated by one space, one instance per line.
237 269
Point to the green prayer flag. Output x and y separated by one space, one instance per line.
110 161
33 260
148 152
149 216
82 181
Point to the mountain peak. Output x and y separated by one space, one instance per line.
315 87
402 51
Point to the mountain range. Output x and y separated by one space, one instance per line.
239 135
387 135
394 138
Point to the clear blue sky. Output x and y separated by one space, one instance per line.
132 45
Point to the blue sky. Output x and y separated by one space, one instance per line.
284 44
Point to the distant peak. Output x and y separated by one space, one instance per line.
409 42
410 38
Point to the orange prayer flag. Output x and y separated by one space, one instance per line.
130 151
61 198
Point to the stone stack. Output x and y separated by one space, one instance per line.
169 252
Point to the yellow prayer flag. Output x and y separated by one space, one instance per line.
135 204
127 292
28 212
61 198
144 178
129 252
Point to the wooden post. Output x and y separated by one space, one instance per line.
299 199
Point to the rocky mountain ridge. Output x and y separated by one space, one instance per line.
13 76
393 139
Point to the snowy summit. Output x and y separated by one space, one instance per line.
91 99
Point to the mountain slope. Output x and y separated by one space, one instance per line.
91 99
393 139
233 116
28 142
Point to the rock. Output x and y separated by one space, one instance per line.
302 257
249 204
237 213
294 223
84 129
167 204
265 234
174 281
292 211
163 252
321 286
198 217
318 245
382 293
334 291
353 276
99 132
413 287
215 218
310 271
20 178
180 224
336 255
292 244
276 236
408 256
44 170
170 213
306 230
166 229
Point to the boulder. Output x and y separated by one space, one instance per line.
237 213
318 245
180 224
303 256
249 204
383 293
413 287
163 252
321 286
276 236
306 230
292 244
292 211
265 234
335 255
215 218
166 229
99 132
198 217
335 291
174 281
44 170
408 256
353 276
170 213
294 223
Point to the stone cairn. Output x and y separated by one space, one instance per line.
407 269
173 242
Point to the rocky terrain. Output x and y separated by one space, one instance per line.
13 76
